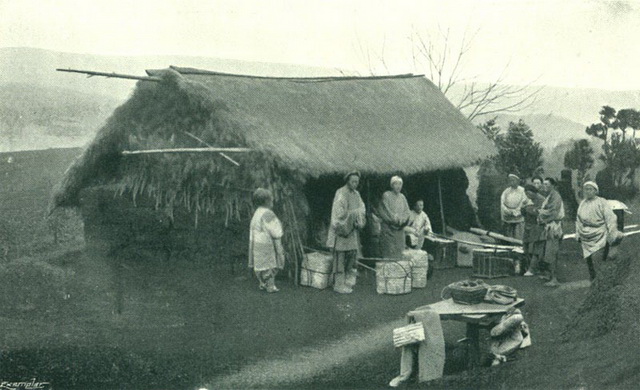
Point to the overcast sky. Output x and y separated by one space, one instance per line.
587 43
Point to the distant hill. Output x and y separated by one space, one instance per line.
33 116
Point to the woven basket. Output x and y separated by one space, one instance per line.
393 277
466 292
419 277
419 266
316 270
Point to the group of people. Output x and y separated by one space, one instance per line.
348 216
534 214
398 224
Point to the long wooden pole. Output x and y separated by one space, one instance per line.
112 75
187 150
483 232
211 146
444 224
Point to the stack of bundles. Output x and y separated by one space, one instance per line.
492 263
419 260
445 252
393 277
316 269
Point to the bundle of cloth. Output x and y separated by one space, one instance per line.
509 335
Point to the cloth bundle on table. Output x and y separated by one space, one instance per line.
430 351
394 213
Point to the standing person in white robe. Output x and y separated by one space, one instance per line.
419 225
266 254
512 201
347 217
596 228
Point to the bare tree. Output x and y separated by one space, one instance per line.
442 59
444 64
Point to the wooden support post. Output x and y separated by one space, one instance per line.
444 224
473 339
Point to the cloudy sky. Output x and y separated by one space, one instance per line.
587 43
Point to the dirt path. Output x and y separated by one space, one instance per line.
309 362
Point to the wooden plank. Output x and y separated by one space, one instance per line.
448 307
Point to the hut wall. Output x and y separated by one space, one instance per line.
116 226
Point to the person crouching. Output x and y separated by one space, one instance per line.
266 254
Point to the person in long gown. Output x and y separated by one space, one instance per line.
347 218
266 254
532 242
393 211
596 228
551 215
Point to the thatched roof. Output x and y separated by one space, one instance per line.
311 126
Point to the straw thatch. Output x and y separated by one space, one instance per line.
298 128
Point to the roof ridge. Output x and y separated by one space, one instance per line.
204 72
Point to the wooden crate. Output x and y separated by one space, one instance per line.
491 263
445 252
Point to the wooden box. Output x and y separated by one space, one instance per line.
445 252
492 263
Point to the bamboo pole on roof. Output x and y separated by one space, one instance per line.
210 146
186 150
112 75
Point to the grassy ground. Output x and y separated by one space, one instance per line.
25 189
187 324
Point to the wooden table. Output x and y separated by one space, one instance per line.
478 316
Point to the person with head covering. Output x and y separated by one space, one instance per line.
551 215
393 211
419 225
596 228
347 217
512 201
533 244
266 254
